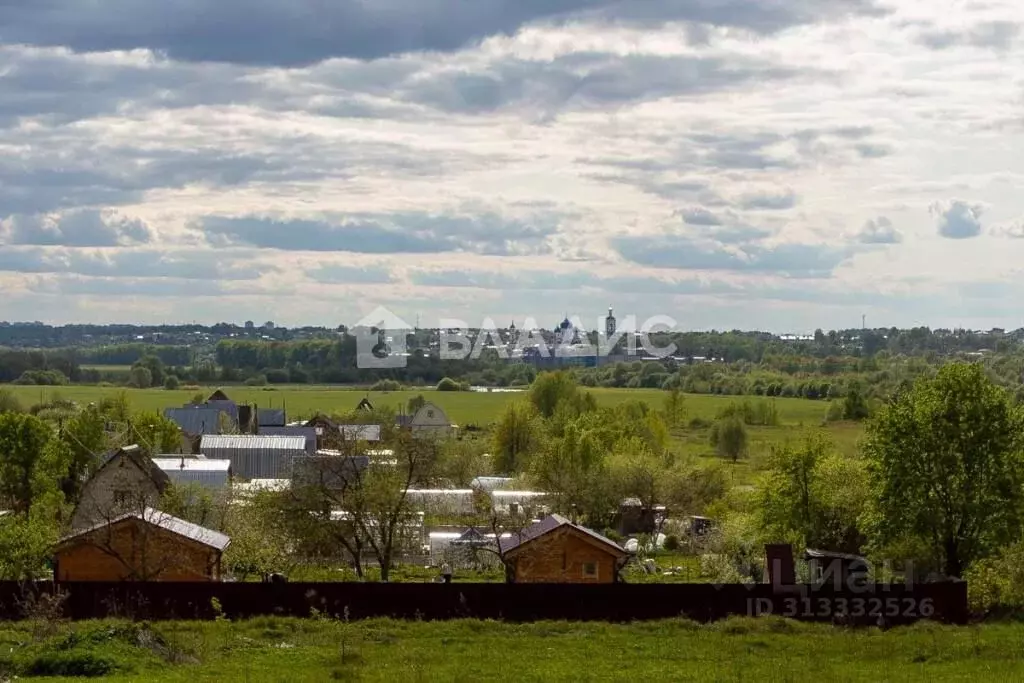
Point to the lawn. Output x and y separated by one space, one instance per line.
272 649
462 407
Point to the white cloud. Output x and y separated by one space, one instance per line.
673 141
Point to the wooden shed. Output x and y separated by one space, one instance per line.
141 546
555 550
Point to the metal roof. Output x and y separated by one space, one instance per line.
193 532
489 483
196 420
211 442
308 433
256 456
193 464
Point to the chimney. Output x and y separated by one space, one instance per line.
780 569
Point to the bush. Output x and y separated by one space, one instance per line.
835 411
448 384
171 383
71 665
729 438
9 403
256 381
672 542
387 385
278 376
47 378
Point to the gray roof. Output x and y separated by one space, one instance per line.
549 524
307 433
195 420
206 471
271 417
193 532
255 456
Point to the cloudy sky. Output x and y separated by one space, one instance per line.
756 164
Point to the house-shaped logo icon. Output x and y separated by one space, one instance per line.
381 340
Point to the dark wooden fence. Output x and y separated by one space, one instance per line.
895 604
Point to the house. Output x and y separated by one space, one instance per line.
365 405
206 472
555 550
428 420
211 417
253 456
634 517
144 545
127 480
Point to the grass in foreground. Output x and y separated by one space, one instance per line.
270 649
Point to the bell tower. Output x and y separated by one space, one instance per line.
609 324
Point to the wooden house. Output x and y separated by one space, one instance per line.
127 481
555 550
428 421
148 545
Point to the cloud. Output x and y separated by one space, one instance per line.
1014 230
342 274
408 233
266 32
700 216
958 219
83 228
794 260
779 201
134 263
998 35
879 231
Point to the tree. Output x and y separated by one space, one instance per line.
813 497
517 436
26 461
946 468
155 367
729 437
86 439
552 390
25 545
155 433
171 383
415 403
140 377
572 469
854 406
260 539
675 407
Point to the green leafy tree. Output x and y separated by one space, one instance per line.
572 468
140 377
946 468
813 497
675 407
553 391
729 438
155 367
27 465
517 436
415 403
855 407
86 440
25 543
155 433
171 383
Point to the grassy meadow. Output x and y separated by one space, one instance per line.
272 649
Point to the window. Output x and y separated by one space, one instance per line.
590 570
430 413
122 498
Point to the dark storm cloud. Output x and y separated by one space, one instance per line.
270 32
795 260
411 233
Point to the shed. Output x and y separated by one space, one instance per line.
196 420
841 569
255 456
148 545
555 550
359 432
210 473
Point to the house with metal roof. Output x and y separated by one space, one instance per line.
271 417
143 545
255 456
207 472
196 420
308 433
556 550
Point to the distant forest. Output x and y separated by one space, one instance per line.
824 366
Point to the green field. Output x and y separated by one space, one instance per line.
462 407
383 650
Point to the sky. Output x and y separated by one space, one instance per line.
779 165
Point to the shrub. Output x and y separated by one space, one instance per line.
71 665
729 438
278 376
9 403
171 383
42 378
672 542
387 385
448 384
256 381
